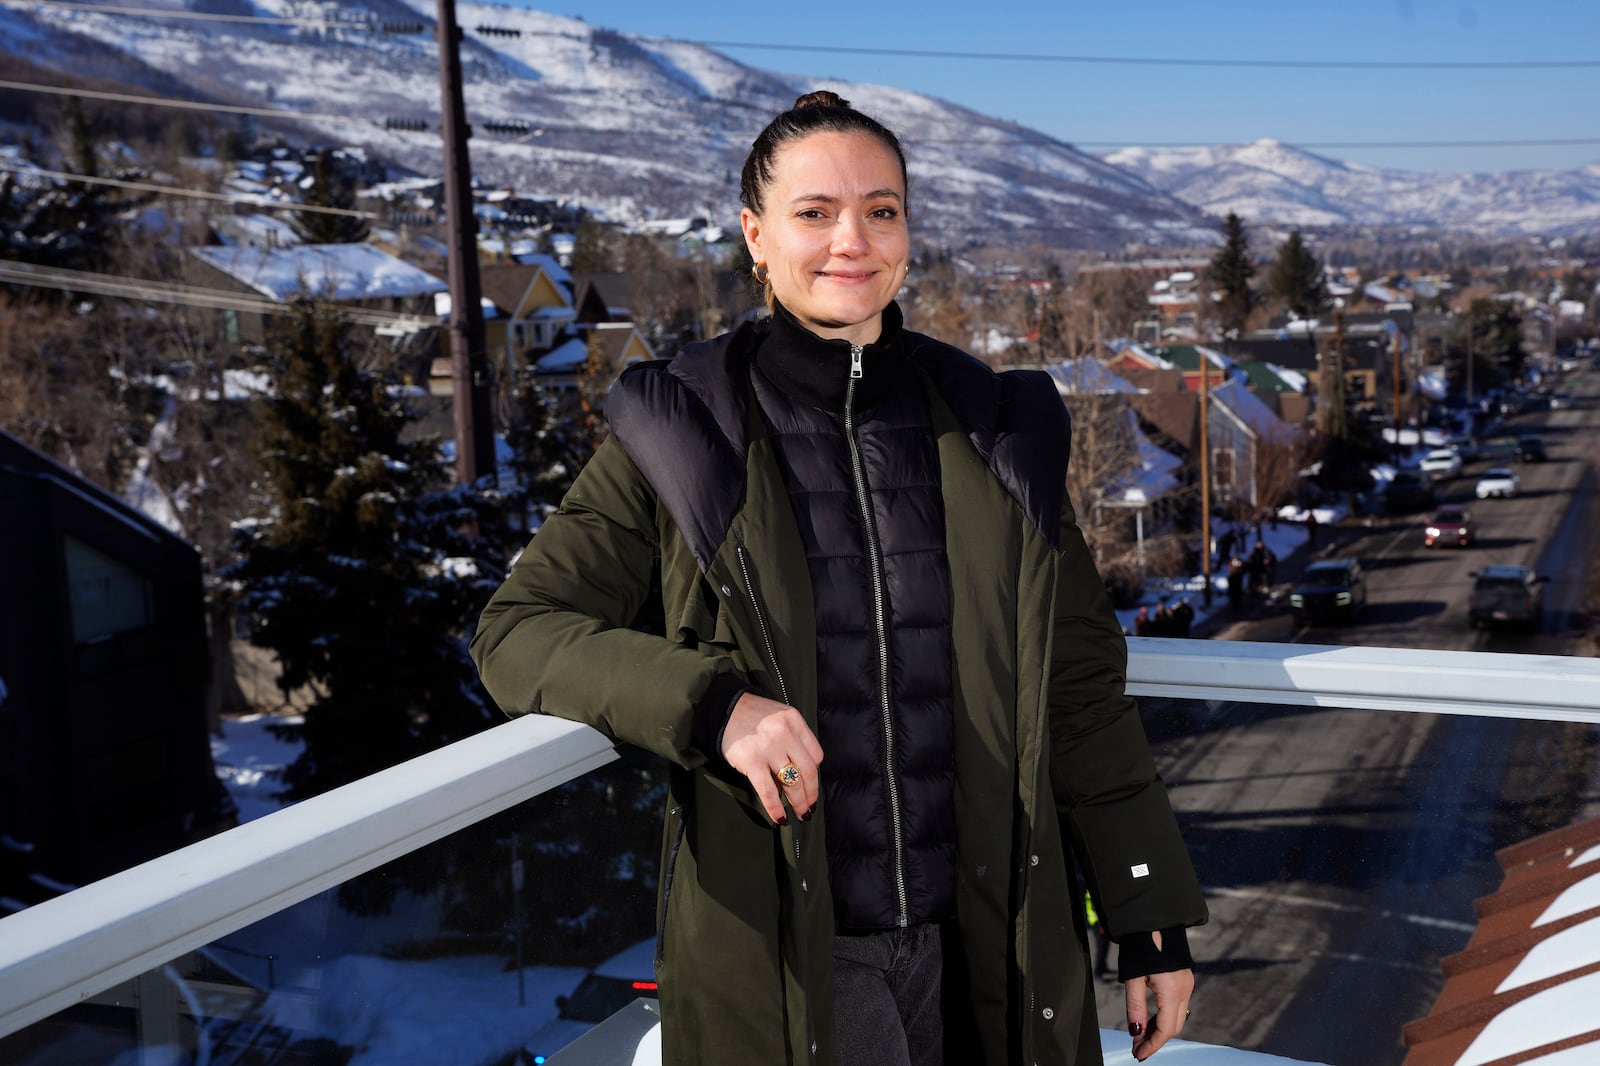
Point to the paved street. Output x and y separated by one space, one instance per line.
1342 849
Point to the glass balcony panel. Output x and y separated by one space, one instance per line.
1341 852
455 953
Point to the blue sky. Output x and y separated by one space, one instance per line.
1113 105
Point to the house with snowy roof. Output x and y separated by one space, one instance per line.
600 352
603 297
353 275
1251 447
528 306
1131 473
1188 358
1253 451
1368 356
1176 300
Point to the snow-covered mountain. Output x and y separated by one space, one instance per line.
1273 182
639 127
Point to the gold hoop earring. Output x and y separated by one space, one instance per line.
759 272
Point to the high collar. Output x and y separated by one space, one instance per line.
816 371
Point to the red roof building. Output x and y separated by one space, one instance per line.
1526 989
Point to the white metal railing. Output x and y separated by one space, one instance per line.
1552 688
68 949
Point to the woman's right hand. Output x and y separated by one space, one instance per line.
761 738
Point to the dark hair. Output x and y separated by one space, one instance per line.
817 112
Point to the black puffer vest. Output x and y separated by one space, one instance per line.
862 469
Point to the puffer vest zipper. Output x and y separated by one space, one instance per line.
866 491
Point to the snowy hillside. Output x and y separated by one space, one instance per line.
1273 182
641 128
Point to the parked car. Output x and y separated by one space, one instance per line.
1442 463
1498 481
1408 491
1530 448
1560 401
1506 595
604 990
1449 525
1465 445
1329 590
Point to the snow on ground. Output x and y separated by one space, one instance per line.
328 976
1283 537
248 757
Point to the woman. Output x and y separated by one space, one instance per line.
891 686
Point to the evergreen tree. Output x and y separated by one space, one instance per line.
1490 335
69 224
592 249
1296 278
548 448
362 572
329 188
1231 271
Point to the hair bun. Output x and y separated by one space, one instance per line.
821 98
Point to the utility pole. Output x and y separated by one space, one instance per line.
1471 357
474 424
1205 486
1396 344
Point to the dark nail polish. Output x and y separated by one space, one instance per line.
1135 1028
783 821
806 817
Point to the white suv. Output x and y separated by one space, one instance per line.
1442 463
1498 482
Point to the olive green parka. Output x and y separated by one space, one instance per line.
1050 752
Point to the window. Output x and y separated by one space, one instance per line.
107 597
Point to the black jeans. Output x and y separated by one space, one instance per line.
886 997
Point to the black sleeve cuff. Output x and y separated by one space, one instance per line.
711 714
1137 955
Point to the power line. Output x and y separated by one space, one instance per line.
908 53
1056 142
1158 61
187 105
151 291
179 190
205 16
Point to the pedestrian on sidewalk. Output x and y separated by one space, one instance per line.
1162 625
1225 546
1182 617
1311 529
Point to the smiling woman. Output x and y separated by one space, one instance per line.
825 220
864 553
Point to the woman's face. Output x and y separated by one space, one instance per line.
832 232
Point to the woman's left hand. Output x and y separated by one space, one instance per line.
762 739
1172 991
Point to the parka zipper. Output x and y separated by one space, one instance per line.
881 629
761 622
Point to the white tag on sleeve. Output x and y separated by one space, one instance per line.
1142 870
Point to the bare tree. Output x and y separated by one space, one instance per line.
1279 458
940 299
1105 463
1104 305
